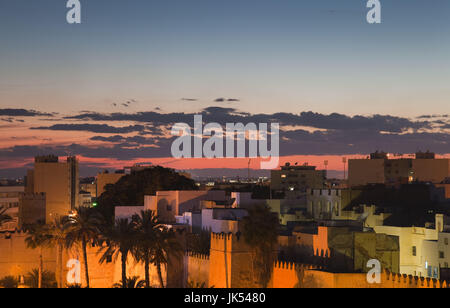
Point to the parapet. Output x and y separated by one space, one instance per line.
198 256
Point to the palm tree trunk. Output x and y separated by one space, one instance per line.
124 270
40 269
60 257
147 272
86 269
158 267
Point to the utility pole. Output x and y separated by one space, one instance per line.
344 160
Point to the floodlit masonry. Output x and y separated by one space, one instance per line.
381 168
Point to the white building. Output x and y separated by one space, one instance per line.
224 220
420 248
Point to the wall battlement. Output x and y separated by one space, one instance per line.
199 256
292 275
409 281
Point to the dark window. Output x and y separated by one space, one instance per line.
441 255
414 251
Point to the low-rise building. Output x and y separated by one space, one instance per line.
295 179
417 246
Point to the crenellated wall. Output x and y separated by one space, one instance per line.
289 275
196 269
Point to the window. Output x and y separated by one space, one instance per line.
446 241
441 255
169 208
414 251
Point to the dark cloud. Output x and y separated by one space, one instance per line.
135 140
334 121
223 100
94 128
24 113
309 133
433 116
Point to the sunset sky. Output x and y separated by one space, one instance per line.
109 90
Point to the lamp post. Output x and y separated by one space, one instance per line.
344 160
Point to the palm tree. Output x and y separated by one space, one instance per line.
147 227
83 228
37 279
130 283
57 233
121 239
3 216
38 237
166 246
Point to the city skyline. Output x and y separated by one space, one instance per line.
109 89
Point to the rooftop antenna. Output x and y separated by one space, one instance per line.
248 169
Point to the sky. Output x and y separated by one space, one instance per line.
108 89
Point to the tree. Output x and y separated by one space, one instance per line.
260 231
121 240
38 237
36 279
199 243
130 283
148 229
83 228
166 246
57 234
9 282
3 217
132 188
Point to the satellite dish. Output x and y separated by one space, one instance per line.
363 217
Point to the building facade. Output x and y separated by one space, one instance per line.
380 169
59 181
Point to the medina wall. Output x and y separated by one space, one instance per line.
196 270
289 275
18 260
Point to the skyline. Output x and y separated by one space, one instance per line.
108 89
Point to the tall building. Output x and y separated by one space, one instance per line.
380 169
106 178
297 178
59 181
